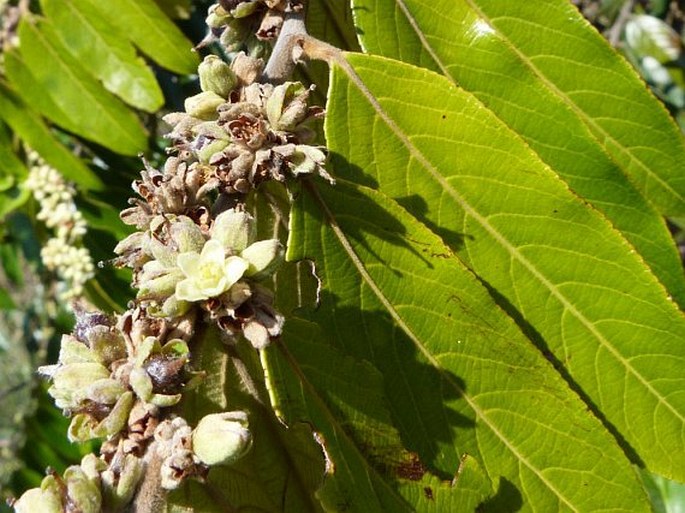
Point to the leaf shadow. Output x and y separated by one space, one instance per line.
508 499
417 394
539 342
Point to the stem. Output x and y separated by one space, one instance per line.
281 63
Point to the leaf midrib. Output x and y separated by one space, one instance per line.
499 238
550 85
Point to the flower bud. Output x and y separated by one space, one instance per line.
216 76
45 499
204 105
217 17
222 438
71 382
244 8
264 257
83 492
234 229
287 106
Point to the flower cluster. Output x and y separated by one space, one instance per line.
62 253
240 24
196 259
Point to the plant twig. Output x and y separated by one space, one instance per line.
616 30
282 62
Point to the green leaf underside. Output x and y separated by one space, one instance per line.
559 265
458 375
552 49
105 52
284 467
564 91
370 471
93 113
31 128
146 26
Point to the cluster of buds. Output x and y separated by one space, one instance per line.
241 132
247 24
62 253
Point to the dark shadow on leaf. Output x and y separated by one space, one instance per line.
416 393
417 206
345 170
508 499
559 366
368 217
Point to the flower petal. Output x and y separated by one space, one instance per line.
234 268
213 251
187 290
188 263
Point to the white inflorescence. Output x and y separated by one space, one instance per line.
62 253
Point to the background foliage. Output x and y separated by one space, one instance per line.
499 323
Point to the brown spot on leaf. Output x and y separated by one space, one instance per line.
411 469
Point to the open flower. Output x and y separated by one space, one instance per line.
208 274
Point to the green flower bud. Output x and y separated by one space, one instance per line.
83 492
217 17
187 235
222 438
264 257
131 473
71 382
73 351
117 418
204 105
46 499
216 76
245 8
234 229
160 287
105 391
287 106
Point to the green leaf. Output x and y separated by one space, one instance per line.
23 80
146 25
575 102
179 9
487 47
30 127
309 380
104 52
556 265
12 194
6 301
93 113
459 377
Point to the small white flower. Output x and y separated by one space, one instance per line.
208 274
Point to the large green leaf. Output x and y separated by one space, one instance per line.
146 25
105 52
369 469
458 375
30 127
575 102
522 53
93 112
570 279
